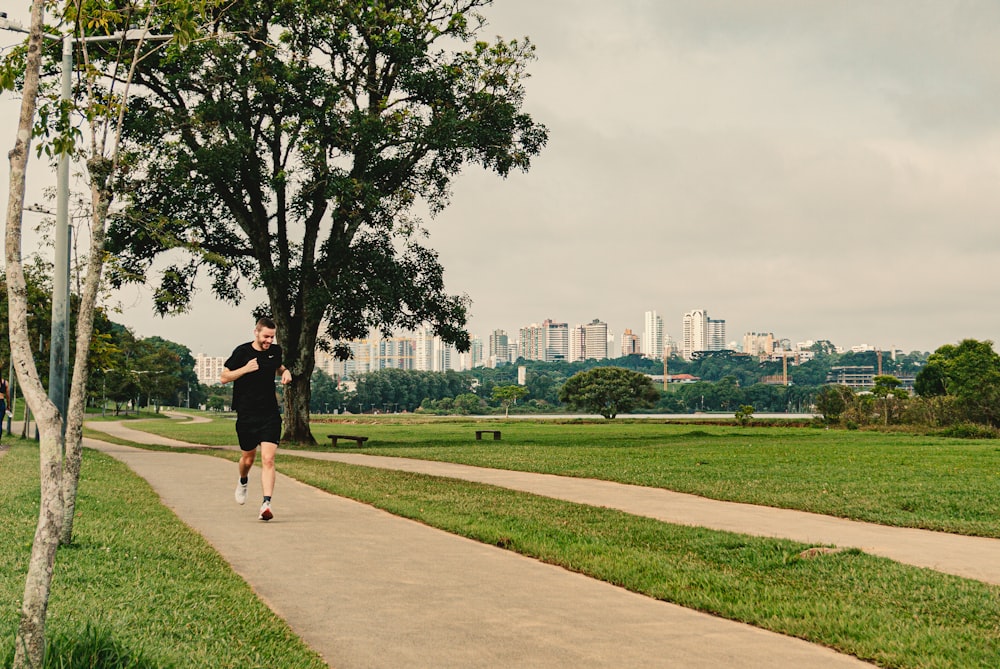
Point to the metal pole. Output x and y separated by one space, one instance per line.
59 339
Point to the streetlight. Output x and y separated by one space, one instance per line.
59 339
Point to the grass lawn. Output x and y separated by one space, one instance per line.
950 485
884 612
138 574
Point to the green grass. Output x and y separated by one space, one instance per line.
949 485
137 576
874 608
881 611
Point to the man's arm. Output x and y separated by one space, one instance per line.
233 374
286 375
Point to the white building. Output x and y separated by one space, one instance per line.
208 369
701 333
596 340
652 335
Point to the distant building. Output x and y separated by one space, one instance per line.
858 377
556 338
596 340
396 353
499 348
630 343
652 335
758 344
577 343
701 333
208 369
532 342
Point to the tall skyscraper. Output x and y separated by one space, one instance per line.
716 335
577 343
695 333
652 335
556 337
702 333
532 342
499 347
596 345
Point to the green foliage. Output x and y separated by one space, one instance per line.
390 390
970 372
301 174
744 415
508 395
324 396
832 401
609 391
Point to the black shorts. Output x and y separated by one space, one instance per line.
253 429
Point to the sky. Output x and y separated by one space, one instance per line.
816 170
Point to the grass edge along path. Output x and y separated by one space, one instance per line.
932 483
873 608
137 574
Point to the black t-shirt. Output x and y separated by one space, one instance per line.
254 392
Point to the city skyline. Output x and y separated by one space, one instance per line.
816 170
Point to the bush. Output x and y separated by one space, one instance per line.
970 431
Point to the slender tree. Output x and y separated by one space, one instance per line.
292 153
30 640
60 436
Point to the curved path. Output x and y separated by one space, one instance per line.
368 589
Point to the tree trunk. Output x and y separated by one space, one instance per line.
29 650
100 199
296 422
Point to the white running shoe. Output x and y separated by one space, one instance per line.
265 511
241 493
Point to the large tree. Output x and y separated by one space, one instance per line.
292 154
609 391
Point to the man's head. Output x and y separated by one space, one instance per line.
263 334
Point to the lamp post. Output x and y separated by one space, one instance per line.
59 339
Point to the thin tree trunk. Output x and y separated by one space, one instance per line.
29 648
100 197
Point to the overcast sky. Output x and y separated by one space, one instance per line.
819 170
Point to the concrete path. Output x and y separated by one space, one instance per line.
368 589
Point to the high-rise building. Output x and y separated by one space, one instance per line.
208 369
652 335
715 335
499 348
702 333
695 333
577 343
431 354
758 344
596 343
532 342
630 343
396 353
556 337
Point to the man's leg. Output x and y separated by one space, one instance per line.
267 471
246 462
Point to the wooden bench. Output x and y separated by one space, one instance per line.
495 433
361 440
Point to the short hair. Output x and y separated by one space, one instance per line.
265 322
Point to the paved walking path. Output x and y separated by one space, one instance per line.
368 589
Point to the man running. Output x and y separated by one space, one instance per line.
252 368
